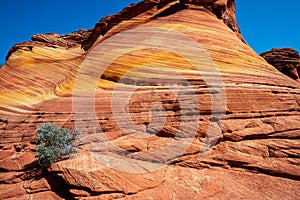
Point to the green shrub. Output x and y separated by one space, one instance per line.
54 143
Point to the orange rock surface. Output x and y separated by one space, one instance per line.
286 60
184 109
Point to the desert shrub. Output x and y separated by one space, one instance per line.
54 143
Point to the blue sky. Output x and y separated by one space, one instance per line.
264 24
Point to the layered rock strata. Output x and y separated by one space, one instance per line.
244 145
286 60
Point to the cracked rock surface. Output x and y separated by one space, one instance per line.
244 145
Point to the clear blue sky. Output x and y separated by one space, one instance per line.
264 23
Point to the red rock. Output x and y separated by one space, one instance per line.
160 150
286 60
17 161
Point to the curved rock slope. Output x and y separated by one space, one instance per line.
242 144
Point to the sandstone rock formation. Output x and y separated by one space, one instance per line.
244 144
286 60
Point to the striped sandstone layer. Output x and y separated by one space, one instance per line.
256 143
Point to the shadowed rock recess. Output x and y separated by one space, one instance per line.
255 153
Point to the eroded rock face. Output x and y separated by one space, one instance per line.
53 40
146 10
244 145
286 60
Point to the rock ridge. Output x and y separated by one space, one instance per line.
53 40
286 60
223 9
